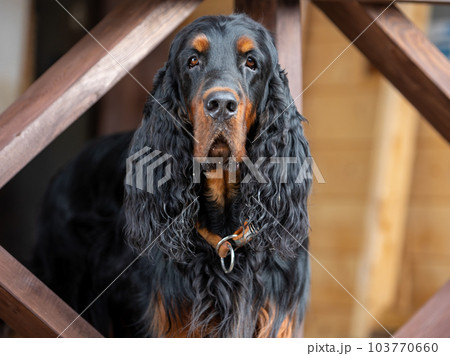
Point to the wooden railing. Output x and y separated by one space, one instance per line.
80 78
33 310
401 52
432 320
73 84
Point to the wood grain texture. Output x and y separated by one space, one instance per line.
76 81
402 54
33 310
432 320
283 18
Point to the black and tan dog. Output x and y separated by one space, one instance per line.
221 94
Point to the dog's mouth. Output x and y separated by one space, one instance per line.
220 148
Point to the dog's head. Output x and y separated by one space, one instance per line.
221 94
223 66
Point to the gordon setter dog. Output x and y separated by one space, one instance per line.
194 253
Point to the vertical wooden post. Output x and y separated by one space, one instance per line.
387 207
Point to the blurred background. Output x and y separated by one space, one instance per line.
380 223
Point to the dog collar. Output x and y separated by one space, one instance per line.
223 246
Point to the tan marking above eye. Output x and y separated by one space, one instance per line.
200 43
245 44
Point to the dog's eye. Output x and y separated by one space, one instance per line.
193 61
251 63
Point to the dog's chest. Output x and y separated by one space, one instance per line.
222 190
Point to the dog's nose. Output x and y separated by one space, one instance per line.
221 105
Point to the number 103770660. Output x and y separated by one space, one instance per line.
402 347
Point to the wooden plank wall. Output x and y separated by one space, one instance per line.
339 107
342 108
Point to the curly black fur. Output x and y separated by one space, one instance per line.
86 221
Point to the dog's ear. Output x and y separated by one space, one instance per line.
160 196
277 206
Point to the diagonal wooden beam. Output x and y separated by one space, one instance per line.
432 320
33 310
82 76
402 54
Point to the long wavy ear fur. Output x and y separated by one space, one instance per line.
167 215
278 210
